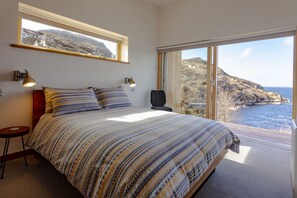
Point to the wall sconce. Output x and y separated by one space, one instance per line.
130 81
28 81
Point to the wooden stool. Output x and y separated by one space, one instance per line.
11 132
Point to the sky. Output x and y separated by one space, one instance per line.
39 26
267 62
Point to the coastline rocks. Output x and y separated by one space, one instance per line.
64 40
247 93
243 92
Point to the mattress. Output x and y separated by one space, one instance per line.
131 151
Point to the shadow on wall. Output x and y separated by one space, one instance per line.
17 105
6 76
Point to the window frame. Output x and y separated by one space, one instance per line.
68 24
212 61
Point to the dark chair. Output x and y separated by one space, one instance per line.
158 100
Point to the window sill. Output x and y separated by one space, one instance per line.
64 52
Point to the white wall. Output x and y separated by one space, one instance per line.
185 21
132 18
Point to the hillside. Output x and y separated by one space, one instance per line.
240 91
64 40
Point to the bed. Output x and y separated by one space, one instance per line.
130 151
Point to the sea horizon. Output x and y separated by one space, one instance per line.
276 87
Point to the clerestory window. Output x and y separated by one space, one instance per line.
47 31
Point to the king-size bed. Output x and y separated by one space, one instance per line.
128 151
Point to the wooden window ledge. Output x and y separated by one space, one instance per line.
65 52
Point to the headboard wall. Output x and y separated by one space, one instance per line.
38 106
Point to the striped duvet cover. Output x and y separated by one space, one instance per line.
131 152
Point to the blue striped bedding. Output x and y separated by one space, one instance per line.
131 151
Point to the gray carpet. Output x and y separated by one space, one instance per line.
259 171
39 180
264 172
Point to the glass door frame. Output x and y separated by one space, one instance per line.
211 90
212 64
211 95
294 110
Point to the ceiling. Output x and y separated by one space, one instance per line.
158 2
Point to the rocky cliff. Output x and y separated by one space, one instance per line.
243 92
65 40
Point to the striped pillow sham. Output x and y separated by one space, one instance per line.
48 101
112 97
66 101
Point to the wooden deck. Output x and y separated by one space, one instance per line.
263 136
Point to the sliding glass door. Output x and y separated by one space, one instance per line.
189 77
189 81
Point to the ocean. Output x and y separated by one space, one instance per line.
269 116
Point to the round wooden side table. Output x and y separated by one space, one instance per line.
11 132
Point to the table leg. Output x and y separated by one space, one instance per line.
24 151
6 150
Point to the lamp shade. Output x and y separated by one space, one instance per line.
132 82
29 81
